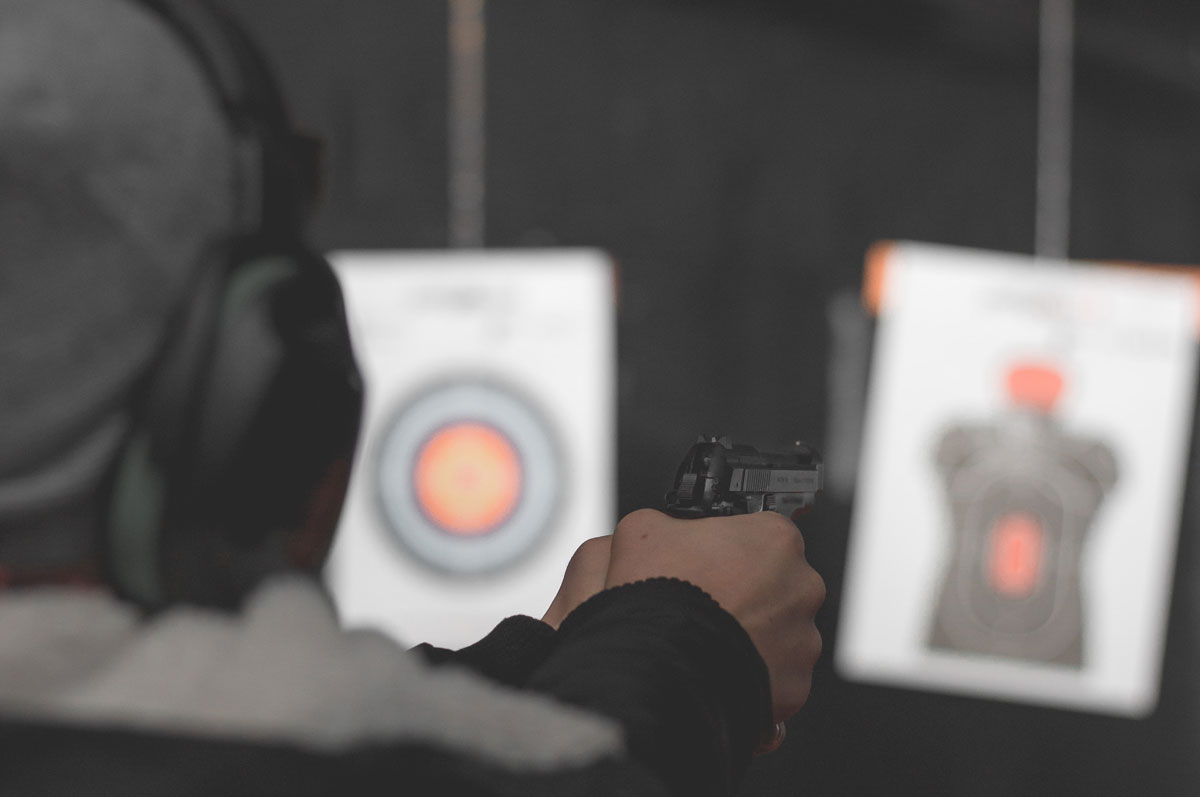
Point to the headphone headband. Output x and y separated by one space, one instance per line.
278 168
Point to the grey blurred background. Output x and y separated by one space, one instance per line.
737 159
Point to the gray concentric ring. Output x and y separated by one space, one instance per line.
401 443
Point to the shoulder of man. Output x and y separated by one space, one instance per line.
56 759
282 673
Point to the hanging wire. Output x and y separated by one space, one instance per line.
1055 92
467 38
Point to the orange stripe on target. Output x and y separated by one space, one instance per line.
875 275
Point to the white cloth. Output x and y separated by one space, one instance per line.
283 671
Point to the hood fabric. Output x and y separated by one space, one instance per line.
116 168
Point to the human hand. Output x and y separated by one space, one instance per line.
584 578
753 566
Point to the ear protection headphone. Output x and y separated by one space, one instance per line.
239 454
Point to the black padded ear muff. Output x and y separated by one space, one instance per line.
238 459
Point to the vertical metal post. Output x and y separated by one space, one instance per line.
1055 92
465 123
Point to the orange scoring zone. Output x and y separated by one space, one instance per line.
878 265
467 478
1015 555
1035 385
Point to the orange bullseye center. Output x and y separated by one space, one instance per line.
467 478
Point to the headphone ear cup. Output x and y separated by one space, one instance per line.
248 475
130 557
240 450
154 455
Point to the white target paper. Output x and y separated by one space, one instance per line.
1022 477
486 455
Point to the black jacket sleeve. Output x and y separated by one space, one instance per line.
661 657
677 671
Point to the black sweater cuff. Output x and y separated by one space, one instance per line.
508 654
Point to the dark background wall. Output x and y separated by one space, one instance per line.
737 158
